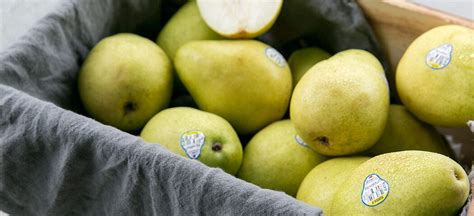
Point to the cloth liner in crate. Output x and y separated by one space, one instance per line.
54 161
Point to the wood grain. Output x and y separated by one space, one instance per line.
397 23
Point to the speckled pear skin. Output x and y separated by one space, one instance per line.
275 159
419 182
320 185
108 79
340 106
435 76
246 82
221 147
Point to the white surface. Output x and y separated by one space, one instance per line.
460 8
17 16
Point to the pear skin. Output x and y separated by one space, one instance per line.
198 135
246 82
403 183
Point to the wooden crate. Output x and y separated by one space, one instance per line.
397 23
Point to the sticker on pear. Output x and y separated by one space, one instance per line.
192 143
374 191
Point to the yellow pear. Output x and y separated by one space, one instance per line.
340 106
435 76
276 158
197 135
246 82
184 26
320 185
125 80
403 183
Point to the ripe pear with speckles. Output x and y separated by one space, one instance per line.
125 80
435 76
323 181
246 82
403 183
197 135
340 106
276 158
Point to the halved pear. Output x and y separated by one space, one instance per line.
240 18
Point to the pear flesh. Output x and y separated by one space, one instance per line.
184 26
240 19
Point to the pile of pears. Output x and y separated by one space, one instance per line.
318 127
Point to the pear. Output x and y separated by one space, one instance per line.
303 59
184 26
405 132
340 106
276 158
403 183
108 81
435 76
321 183
240 19
246 82
197 135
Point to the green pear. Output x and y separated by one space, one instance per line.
246 82
124 81
405 132
303 59
340 106
321 183
197 135
276 158
403 183
435 76
184 26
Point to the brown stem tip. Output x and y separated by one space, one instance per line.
323 140
216 146
129 107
